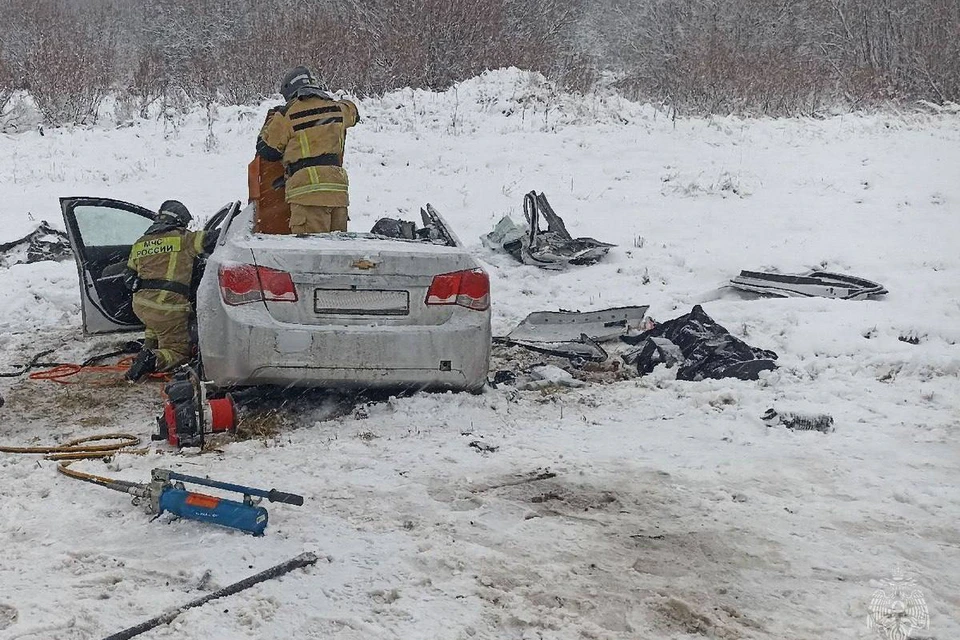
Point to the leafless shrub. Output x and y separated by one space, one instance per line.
786 56
577 72
7 85
9 77
149 81
774 57
63 57
709 56
434 43
895 48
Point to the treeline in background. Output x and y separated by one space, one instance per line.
773 57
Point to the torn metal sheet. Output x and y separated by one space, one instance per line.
606 324
583 348
435 229
43 243
550 248
823 284
439 228
555 244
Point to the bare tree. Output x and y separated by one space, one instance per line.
63 57
703 56
7 85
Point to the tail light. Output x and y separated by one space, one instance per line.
277 285
245 283
470 289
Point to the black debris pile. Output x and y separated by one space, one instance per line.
395 228
700 347
43 243
911 337
483 447
654 351
795 421
550 248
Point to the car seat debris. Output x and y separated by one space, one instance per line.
435 229
550 248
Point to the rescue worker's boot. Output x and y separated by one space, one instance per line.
143 365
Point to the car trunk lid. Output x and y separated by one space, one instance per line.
355 279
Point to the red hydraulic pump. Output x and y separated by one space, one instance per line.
188 416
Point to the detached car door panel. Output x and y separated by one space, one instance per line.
102 232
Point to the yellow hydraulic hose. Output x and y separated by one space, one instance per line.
80 449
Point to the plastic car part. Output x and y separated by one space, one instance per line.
469 289
555 326
437 228
824 284
583 348
245 283
43 243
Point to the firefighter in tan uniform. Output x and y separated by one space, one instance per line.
160 271
308 134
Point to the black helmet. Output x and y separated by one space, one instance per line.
298 81
175 212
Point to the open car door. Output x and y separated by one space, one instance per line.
101 233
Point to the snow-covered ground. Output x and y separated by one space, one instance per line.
674 512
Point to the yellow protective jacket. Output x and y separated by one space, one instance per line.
308 135
163 263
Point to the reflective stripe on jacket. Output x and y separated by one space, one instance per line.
164 264
308 135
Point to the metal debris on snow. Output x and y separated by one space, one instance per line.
550 248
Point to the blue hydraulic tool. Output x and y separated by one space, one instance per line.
166 493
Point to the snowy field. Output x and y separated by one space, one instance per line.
674 512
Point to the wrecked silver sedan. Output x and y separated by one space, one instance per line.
355 310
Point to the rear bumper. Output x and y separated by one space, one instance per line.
245 346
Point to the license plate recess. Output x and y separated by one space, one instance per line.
361 302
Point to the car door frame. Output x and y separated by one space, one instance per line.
96 318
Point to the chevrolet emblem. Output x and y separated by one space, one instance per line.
364 264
